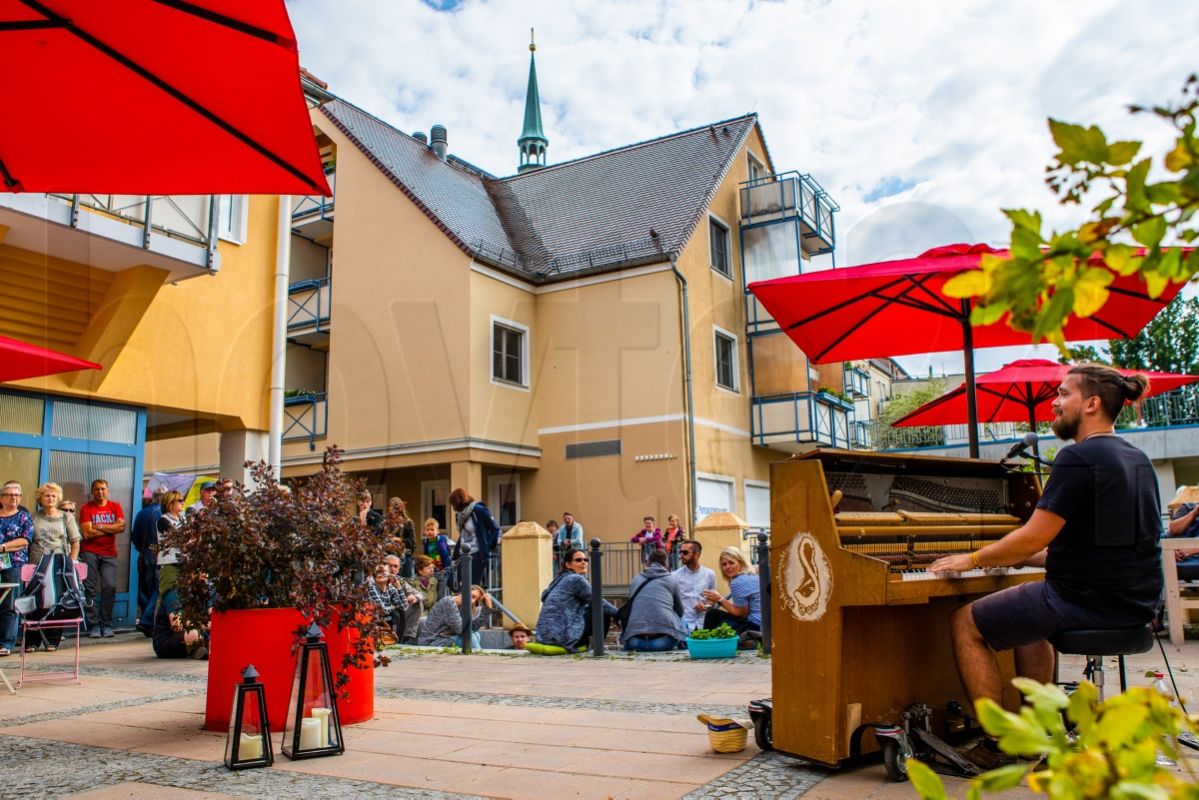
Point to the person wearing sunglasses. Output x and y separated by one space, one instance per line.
565 618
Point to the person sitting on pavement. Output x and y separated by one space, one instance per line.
650 538
392 604
412 609
742 609
443 626
424 584
693 581
520 635
655 621
565 618
170 640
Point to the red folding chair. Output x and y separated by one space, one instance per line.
27 572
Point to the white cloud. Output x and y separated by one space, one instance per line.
950 99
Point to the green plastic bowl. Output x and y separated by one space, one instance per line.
713 648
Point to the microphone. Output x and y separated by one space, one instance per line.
1019 447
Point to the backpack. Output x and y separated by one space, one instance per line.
53 591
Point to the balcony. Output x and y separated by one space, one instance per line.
116 232
305 417
790 422
861 435
308 307
791 197
857 383
312 215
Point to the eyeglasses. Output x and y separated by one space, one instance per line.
11 494
578 561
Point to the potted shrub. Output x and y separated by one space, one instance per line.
265 563
720 642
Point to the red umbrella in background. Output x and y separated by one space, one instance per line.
154 97
1022 391
20 360
896 308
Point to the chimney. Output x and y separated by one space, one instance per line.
437 140
420 137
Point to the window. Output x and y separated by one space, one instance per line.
503 497
509 352
713 494
231 217
726 359
718 240
434 497
756 170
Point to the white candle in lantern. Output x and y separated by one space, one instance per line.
323 715
310 734
250 747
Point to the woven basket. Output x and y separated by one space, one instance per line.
724 735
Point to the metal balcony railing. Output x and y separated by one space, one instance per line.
187 218
308 304
801 418
313 207
861 435
788 195
305 416
1179 407
857 383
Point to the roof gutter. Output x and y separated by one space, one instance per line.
690 415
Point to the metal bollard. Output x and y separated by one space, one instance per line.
764 586
464 581
597 599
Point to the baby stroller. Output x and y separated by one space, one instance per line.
52 600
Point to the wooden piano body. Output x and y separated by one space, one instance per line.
854 641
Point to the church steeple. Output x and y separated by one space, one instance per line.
532 142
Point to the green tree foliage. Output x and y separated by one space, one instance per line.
1169 343
1084 354
1049 278
902 404
1112 752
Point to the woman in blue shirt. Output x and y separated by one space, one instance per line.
742 609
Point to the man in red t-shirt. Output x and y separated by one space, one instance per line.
100 520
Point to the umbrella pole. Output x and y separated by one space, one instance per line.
971 398
1032 426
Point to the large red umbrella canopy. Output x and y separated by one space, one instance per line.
153 97
20 360
1022 391
896 308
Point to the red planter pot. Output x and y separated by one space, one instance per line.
264 637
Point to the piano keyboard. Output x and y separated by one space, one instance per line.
985 572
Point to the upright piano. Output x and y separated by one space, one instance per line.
860 627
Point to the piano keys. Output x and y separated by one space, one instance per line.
860 627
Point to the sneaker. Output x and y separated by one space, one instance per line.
94 633
106 632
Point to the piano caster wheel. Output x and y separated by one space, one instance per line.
763 733
895 760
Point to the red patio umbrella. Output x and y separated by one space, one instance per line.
153 97
1022 391
897 308
20 360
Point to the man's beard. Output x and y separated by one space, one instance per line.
1066 428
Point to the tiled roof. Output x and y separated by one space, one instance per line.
632 204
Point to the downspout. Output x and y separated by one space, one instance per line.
674 267
279 334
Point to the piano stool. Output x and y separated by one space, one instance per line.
1098 644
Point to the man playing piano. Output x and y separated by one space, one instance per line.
1095 530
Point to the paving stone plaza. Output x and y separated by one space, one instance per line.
445 726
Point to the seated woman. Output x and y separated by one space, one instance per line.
742 609
443 626
656 617
565 618
424 583
171 641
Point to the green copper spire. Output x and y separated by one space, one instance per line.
532 142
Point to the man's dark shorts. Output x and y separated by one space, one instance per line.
1033 612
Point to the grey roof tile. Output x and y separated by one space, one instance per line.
590 214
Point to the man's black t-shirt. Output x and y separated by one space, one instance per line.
1107 556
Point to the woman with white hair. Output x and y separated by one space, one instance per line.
742 609
16 530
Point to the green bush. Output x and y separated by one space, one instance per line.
723 631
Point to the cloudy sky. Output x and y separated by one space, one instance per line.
922 120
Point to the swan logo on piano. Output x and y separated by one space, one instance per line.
807 579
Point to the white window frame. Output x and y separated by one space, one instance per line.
728 248
493 494
726 479
753 161
717 332
523 330
238 206
426 503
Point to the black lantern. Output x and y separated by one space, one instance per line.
313 729
249 742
